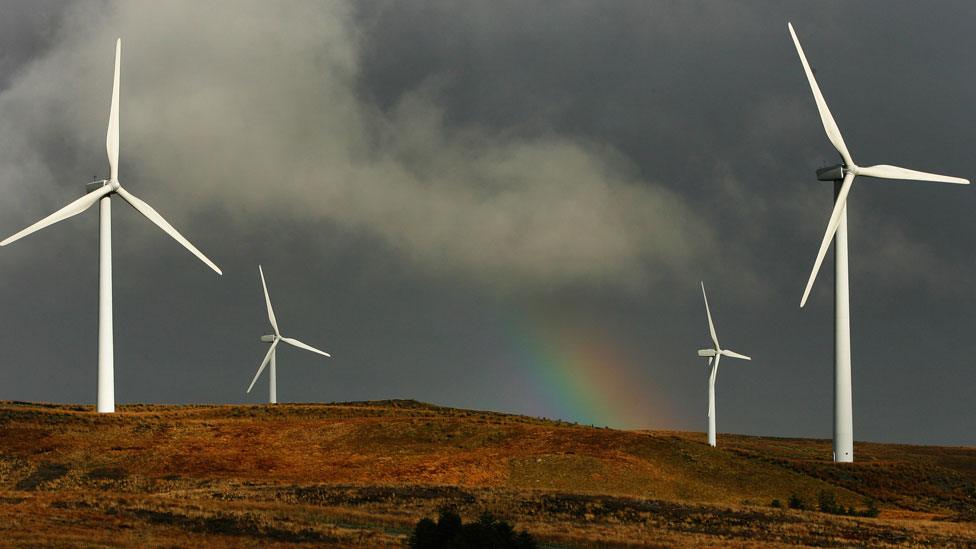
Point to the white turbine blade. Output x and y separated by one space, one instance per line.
112 137
830 126
267 301
711 386
153 215
839 205
301 345
711 326
734 354
267 358
885 171
70 210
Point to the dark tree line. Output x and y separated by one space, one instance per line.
486 533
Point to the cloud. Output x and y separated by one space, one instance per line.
259 116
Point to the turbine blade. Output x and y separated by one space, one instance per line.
267 301
153 215
70 210
711 385
830 126
112 136
711 326
301 345
267 358
734 354
832 224
885 171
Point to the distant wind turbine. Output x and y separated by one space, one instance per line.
274 340
101 192
714 355
843 177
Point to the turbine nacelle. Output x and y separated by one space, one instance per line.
831 173
95 185
268 338
707 352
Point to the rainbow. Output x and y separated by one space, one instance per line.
581 375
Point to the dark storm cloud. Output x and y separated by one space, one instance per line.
268 99
26 29
415 175
702 96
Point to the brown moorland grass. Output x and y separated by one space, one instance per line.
361 474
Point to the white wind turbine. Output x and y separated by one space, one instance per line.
843 177
714 355
101 192
274 340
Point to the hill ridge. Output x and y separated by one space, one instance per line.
201 466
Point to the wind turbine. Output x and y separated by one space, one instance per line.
843 177
272 351
714 355
101 192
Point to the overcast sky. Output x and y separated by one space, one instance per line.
497 205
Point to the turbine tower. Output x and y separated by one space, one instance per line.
843 176
274 339
714 355
101 192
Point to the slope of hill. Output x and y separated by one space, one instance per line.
364 473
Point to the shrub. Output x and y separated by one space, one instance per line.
106 473
776 503
450 532
796 502
425 534
45 472
872 508
828 503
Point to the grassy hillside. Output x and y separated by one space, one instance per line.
364 473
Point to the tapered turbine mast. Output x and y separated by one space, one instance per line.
714 355
843 177
274 339
101 192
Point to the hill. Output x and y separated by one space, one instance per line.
362 474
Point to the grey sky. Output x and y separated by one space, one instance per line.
471 203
